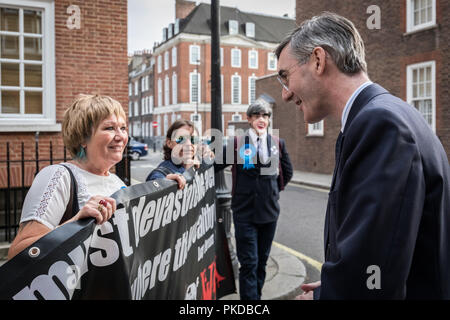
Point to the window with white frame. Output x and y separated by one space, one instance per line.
421 90
236 58
253 59
159 92
164 34
271 61
130 89
195 87
236 117
137 128
143 84
166 91
315 129
130 109
166 60
166 123
147 105
251 89
194 54
174 56
221 57
136 88
176 27
150 105
27 64
136 108
174 89
420 14
196 118
250 29
159 64
236 89
170 31
143 106
233 27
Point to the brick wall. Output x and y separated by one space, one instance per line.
92 59
183 8
184 68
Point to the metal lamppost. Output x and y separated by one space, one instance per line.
223 194
198 96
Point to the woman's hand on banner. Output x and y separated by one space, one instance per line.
180 179
99 207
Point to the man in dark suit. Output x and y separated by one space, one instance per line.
387 226
261 169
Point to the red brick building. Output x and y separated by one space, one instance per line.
408 52
183 63
50 51
140 92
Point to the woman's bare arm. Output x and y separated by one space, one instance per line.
28 233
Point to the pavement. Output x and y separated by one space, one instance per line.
285 272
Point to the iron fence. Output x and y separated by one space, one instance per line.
17 173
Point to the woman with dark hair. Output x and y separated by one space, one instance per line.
180 149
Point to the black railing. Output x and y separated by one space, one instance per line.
17 175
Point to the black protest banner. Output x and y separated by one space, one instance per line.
161 243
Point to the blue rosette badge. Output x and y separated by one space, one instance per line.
247 152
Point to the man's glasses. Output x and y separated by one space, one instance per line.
184 139
283 77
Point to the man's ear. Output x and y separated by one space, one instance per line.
319 59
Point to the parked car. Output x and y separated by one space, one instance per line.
137 149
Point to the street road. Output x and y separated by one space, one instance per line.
301 222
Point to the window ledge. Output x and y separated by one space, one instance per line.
434 26
315 135
30 127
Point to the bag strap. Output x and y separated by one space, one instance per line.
72 207
165 171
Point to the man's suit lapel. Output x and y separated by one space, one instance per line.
361 100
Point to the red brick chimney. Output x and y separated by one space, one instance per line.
183 8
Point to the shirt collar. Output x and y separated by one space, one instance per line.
254 136
349 103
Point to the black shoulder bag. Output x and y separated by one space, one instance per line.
72 207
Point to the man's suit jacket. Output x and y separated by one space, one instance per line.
256 191
389 206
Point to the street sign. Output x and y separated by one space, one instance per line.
155 124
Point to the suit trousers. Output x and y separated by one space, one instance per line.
253 244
